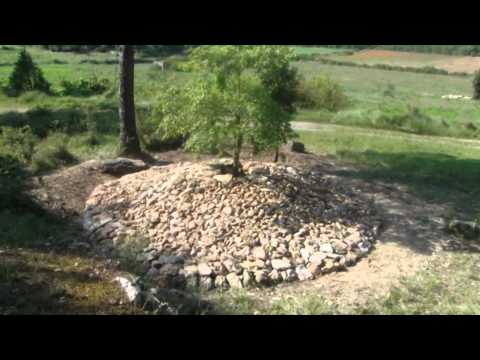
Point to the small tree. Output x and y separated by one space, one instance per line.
476 86
230 108
27 76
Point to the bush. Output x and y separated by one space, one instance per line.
11 189
85 87
322 93
26 76
52 154
476 86
18 143
152 137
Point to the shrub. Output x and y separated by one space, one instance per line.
52 153
322 93
18 143
11 189
476 85
85 87
26 76
151 136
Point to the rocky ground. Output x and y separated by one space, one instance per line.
204 228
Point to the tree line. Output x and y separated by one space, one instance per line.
157 50
152 50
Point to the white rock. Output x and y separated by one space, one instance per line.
326 248
282 264
131 290
204 270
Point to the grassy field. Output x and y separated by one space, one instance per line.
403 101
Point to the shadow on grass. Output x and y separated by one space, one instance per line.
70 121
432 177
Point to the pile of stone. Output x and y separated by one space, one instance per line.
205 228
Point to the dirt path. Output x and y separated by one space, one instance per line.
316 127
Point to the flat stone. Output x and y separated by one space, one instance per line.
318 258
259 253
303 273
282 264
224 179
204 270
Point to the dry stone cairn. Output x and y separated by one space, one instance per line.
205 228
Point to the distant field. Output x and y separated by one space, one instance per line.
450 63
309 50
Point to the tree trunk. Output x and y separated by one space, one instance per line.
129 142
277 154
237 166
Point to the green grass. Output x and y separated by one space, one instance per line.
433 168
449 286
315 50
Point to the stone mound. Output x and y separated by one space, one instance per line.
206 228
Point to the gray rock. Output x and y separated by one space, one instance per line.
297 147
206 283
122 167
326 248
340 247
303 273
172 260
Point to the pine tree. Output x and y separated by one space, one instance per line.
27 76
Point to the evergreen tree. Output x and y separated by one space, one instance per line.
27 76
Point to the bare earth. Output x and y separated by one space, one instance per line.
468 64
413 232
